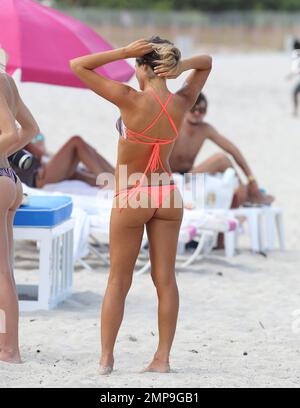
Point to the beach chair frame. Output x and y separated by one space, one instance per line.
56 266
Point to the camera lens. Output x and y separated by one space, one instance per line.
21 159
25 162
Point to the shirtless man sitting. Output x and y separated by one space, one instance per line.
193 134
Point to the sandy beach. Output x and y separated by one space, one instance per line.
238 322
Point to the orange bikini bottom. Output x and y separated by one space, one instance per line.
157 193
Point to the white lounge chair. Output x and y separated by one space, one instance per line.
97 204
199 226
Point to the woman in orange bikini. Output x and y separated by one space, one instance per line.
144 154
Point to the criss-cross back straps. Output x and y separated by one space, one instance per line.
134 136
164 108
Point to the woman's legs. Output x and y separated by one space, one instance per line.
163 230
10 219
9 311
126 232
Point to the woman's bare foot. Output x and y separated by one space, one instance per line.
105 370
12 357
106 366
157 366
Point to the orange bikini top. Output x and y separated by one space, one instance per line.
155 161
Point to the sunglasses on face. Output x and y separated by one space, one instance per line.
198 108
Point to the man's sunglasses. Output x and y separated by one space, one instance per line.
198 108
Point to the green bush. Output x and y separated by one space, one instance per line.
203 5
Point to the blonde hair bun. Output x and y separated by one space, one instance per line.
164 52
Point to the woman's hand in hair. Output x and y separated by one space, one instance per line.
138 48
165 71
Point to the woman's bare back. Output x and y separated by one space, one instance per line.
136 155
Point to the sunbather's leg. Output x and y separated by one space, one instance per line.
217 163
86 177
63 165
9 312
126 232
163 230
89 156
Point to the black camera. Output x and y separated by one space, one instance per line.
21 159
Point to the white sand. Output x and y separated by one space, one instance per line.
249 309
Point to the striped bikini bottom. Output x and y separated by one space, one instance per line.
8 172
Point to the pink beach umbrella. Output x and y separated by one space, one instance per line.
41 41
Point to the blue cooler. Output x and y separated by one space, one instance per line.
44 211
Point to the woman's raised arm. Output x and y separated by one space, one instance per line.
114 91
